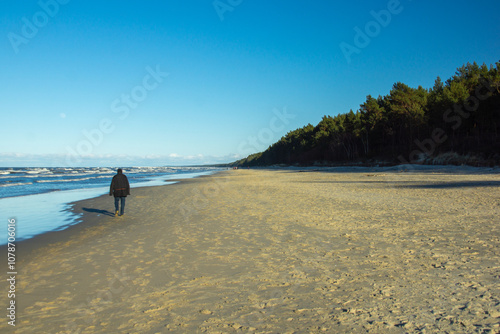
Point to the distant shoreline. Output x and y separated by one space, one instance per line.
447 168
447 159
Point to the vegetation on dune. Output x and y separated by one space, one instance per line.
460 116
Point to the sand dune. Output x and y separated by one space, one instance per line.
284 251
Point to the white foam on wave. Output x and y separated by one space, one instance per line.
15 184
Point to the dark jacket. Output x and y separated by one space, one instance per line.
119 186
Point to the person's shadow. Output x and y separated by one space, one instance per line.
102 212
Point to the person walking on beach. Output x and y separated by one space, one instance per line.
119 188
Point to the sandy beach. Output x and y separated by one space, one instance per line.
273 251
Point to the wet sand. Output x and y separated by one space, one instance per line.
273 251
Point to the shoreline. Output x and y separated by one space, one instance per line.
460 169
274 250
338 169
82 223
51 211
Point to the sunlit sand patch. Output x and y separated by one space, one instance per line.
277 251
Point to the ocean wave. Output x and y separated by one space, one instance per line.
54 181
76 180
15 184
42 171
38 171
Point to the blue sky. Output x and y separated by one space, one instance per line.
107 83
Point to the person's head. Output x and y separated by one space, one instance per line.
119 171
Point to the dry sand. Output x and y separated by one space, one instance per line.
273 252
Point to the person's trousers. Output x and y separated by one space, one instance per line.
121 207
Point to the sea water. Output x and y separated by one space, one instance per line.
38 198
